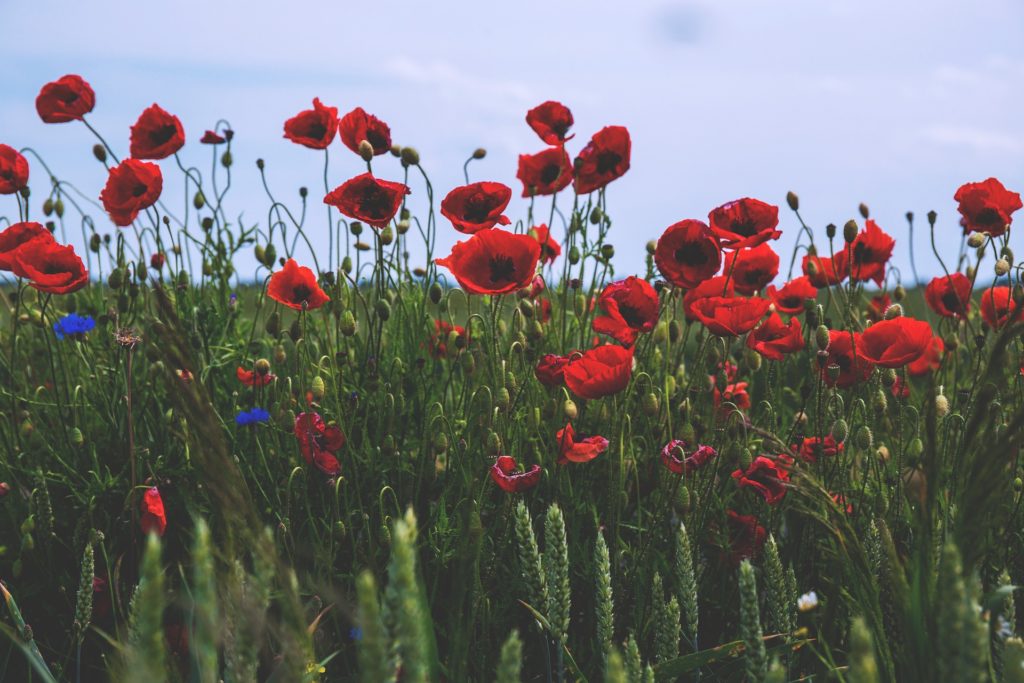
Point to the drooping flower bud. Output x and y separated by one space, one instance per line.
977 239
793 200
840 430
821 338
850 230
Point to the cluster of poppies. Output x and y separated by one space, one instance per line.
28 250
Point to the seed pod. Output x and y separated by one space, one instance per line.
863 438
840 430
574 255
850 230
199 201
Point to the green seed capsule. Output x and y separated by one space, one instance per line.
821 338
348 324
383 309
436 292
650 404
863 438
346 264
387 236
840 430
574 255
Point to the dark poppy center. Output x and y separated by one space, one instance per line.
988 216
791 302
608 161
951 301
377 140
163 134
631 315
478 208
503 269
550 173
68 97
691 254
560 128
301 293
375 202
316 130
744 227
138 190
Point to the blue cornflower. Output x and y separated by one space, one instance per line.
73 325
251 417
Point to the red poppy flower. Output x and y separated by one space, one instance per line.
439 340
550 371
791 296
735 393
674 456
573 447
986 207
252 378
545 172
605 158
844 352
629 308
730 316
824 272
504 474
813 448
357 126
68 98
296 287
551 121
318 442
840 501
869 253
132 186
688 253
50 267
766 477
716 286
537 286
949 296
493 262
896 342
746 537
15 237
476 207
773 339
211 137
549 248
601 371
878 306
157 260
996 306
745 223
728 370
154 518
752 268
368 199
930 360
13 170
545 310
899 388
156 135
314 128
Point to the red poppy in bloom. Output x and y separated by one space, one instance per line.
537 285
545 310
824 272
156 135
735 393
986 207
930 360
154 519
844 353
68 98
869 253
545 172
728 370
745 223
878 306
549 248
766 476
478 206
132 186
50 267
357 126
368 199
550 371
493 262
314 128
996 306
730 316
573 447
157 260
551 121
716 286
13 170
896 342
211 137
746 537
319 442
296 287
949 296
442 333
601 371
791 296
629 308
675 457
773 339
688 253
605 158
15 237
840 501
752 268
504 474
254 378
813 448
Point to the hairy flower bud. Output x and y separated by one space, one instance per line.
348 324
894 311
366 150
863 438
569 409
977 239
410 157
793 200
821 338
840 430
864 211
1002 267
850 230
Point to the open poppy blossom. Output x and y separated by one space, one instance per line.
368 199
132 186
746 537
573 447
877 307
549 248
986 207
493 262
824 272
844 353
949 296
442 333
551 121
629 308
318 443
357 126
930 360
812 448
791 297
774 339
730 316
744 223
13 170
296 287
997 305
734 393
15 237
766 476
69 98
154 517
688 253
504 474
156 135
550 370
674 456
752 269
716 286
314 128
869 253
478 206
605 158
599 372
50 267
211 137
545 172
894 343
254 378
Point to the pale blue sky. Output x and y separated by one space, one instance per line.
891 103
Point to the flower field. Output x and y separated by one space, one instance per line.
310 446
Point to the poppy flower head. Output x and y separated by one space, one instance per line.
745 223
844 353
774 339
894 343
752 269
949 296
812 448
51 267
156 135
549 247
478 206
997 305
986 207
824 272
765 476
675 457
688 253
605 158
212 137
730 316
368 199
16 237
493 262
296 287
869 253
154 518
132 186
573 447
318 442
69 98
544 173
746 537
791 296
601 371
442 333
930 360
734 393
13 170
254 378
357 126
314 128
715 286
504 474
628 308
550 370
551 121
157 260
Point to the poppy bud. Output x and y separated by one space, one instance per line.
47 207
262 367
365 150
346 264
115 279
670 385
493 443
607 252
356 228
1018 484
793 200
931 218
574 255
435 292
26 429
850 230
812 268
941 406
100 152
410 157
280 356
683 499
595 215
270 255
348 324
94 243
396 150
899 294
970 271
295 331
1002 267
226 159
580 305
1018 294
503 399
894 311
526 309
1005 251
469 363
650 404
840 430
479 153
863 438
387 235
821 338
569 409
888 378
77 438
864 212
402 227
977 239
660 333
199 201
318 388
652 246
273 325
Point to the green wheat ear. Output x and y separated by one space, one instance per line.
1013 661
863 667
779 605
604 604
83 601
686 585
511 660
556 566
372 652
146 659
668 632
406 604
530 565
205 639
962 636
615 671
634 665
754 655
